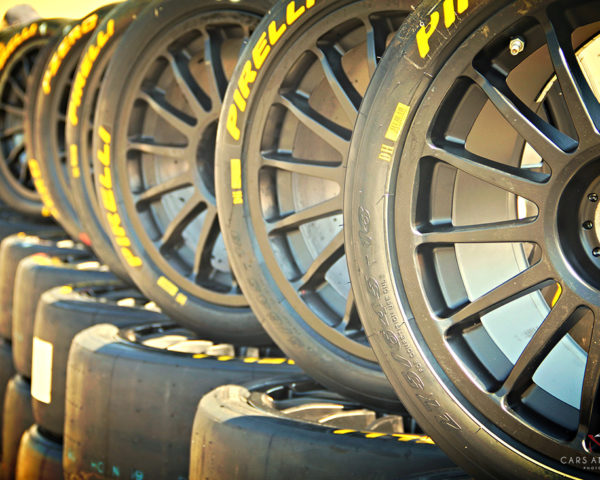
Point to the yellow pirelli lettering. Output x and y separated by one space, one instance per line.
83 73
200 355
374 434
260 52
49 208
66 289
167 285
385 152
225 358
181 299
343 431
6 50
408 437
272 361
397 123
77 32
236 181
426 31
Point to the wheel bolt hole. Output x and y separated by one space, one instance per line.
588 225
596 252
593 197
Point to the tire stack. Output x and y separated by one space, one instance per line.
195 293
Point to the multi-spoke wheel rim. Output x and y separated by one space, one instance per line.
491 246
297 157
168 175
13 147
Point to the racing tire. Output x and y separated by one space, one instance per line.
132 395
40 456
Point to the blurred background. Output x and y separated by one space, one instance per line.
56 8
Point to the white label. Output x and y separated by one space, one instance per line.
41 372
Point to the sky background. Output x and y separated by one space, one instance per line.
56 8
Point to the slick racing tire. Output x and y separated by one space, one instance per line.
132 395
154 129
292 428
40 456
80 121
473 241
34 276
15 248
20 53
18 418
282 151
46 123
62 313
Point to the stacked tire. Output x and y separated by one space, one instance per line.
207 299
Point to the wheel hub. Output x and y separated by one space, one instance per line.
579 222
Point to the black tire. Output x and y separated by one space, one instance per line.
281 202
7 371
16 185
39 458
18 417
131 406
468 352
34 276
46 122
14 249
187 275
62 313
299 430
80 121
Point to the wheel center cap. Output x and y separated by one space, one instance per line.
589 221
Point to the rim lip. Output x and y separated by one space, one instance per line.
278 68
127 95
36 42
398 273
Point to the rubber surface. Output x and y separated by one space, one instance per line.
22 199
39 458
80 119
219 313
299 320
130 407
18 417
242 433
62 313
46 127
35 275
7 371
14 249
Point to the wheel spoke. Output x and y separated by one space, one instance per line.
524 283
15 152
154 193
522 230
158 149
285 161
208 234
521 182
555 326
549 142
350 320
17 88
12 109
9 132
293 221
214 59
344 91
589 410
197 99
315 274
336 136
580 100
190 210
157 101
376 43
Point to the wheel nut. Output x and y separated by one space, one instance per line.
517 45
593 197
588 225
596 252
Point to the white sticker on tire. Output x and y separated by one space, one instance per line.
41 371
